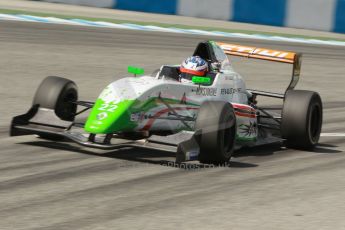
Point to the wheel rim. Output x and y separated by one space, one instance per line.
67 101
314 123
65 108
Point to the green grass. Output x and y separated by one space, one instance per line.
166 25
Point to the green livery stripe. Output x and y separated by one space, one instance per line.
111 118
245 139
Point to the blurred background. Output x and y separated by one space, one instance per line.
325 15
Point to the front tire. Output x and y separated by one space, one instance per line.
217 122
302 119
58 94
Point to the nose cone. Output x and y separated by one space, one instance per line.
110 117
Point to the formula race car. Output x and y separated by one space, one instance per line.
206 119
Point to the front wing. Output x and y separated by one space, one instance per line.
45 123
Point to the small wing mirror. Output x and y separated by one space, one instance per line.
201 80
135 70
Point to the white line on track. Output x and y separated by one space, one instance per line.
332 134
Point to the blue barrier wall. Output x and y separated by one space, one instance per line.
268 12
339 24
152 6
327 15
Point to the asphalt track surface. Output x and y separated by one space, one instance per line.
47 185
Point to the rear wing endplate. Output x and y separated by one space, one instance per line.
269 55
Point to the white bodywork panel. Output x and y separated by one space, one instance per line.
185 98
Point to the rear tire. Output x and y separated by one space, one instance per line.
302 119
217 122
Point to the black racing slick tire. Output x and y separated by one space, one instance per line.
57 93
301 119
217 122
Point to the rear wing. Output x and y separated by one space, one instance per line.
269 55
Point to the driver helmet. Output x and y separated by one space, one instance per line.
193 66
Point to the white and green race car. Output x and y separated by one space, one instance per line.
206 119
